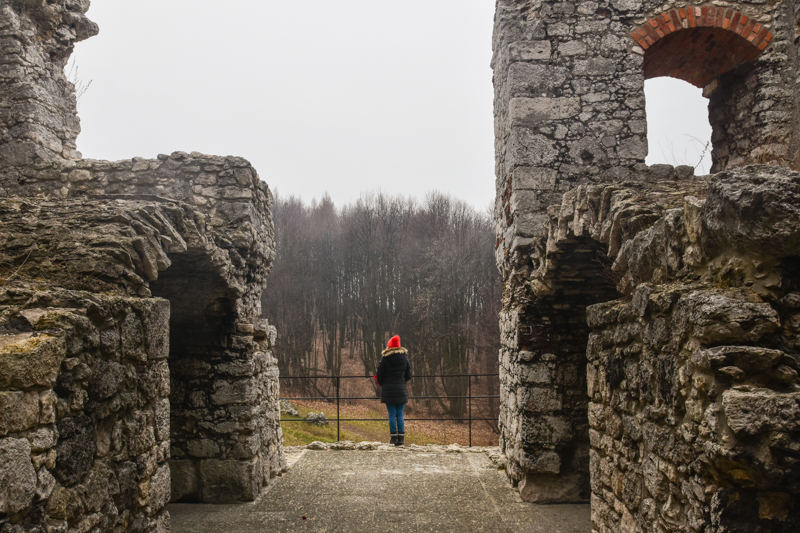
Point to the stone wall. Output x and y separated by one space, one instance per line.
208 259
145 278
569 93
39 119
84 412
693 381
543 419
692 375
569 116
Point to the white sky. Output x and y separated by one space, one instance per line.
320 96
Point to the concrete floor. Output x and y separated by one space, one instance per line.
369 491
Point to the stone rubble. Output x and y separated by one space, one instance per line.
318 419
497 458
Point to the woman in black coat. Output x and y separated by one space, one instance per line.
394 371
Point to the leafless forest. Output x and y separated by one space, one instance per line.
346 279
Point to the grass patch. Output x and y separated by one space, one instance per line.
302 433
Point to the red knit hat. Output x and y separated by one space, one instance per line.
394 342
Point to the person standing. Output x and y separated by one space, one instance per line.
394 371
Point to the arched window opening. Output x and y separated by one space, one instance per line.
714 49
678 130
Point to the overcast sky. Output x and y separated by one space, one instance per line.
320 96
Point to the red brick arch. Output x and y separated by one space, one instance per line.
699 43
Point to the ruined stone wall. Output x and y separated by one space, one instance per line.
84 412
209 260
694 420
569 113
544 418
92 246
38 118
693 360
693 381
569 92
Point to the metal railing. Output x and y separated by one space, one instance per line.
338 397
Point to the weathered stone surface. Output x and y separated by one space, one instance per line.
725 316
160 486
755 211
692 344
185 480
230 481
18 411
755 412
76 448
17 475
30 361
546 488
41 121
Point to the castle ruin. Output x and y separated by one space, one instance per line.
650 356
651 319
134 366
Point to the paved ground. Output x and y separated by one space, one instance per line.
376 491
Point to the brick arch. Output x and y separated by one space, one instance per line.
699 43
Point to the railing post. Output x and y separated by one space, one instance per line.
469 399
338 385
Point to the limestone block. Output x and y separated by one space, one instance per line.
551 488
572 48
587 151
533 111
535 373
160 488
240 391
45 484
545 462
203 448
725 316
545 429
106 379
532 79
655 481
595 67
535 178
755 210
162 420
757 411
42 439
230 481
185 480
529 51
633 148
29 361
18 411
76 448
751 359
17 476
156 328
538 399
132 336
139 430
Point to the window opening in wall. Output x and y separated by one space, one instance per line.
678 131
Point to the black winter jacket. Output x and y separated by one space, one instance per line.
393 372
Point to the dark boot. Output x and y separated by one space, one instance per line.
400 437
394 439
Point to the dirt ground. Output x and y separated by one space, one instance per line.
439 432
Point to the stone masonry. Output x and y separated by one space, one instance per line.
649 360
134 366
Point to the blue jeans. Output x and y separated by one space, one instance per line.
396 422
